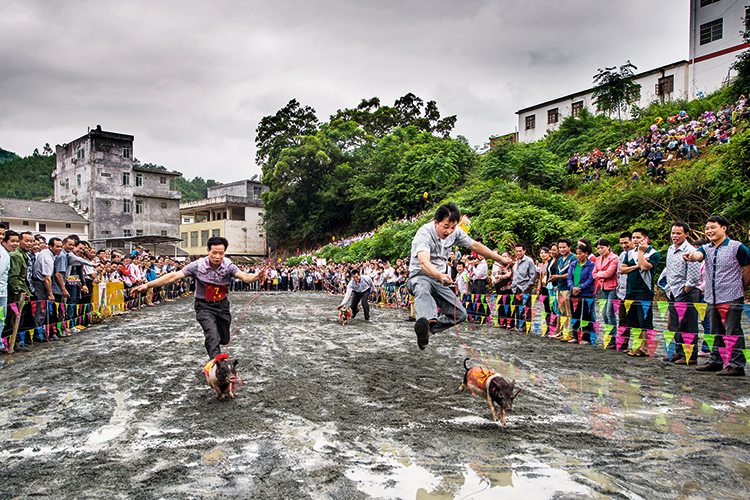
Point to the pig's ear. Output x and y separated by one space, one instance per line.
236 361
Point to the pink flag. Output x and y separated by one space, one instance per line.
726 354
14 308
687 338
723 310
681 307
616 303
619 341
730 341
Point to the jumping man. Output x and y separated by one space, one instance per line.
212 275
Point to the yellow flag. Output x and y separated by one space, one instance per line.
533 300
528 326
628 303
701 308
512 308
607 339
688 348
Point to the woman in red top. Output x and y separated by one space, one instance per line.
605 274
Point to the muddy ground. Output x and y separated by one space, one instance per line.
122 410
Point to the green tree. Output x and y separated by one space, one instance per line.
283 130
614 89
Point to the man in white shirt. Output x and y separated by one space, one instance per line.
359 289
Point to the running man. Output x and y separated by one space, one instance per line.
359 288
213 275
428 279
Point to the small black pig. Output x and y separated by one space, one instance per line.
222 376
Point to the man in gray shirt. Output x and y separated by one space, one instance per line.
680 280
524 275
358 289
42 277
428 281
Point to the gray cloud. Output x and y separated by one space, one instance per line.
192 79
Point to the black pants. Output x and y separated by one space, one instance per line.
582 312
689 323
363 296
215 319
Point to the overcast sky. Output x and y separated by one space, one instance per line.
191 80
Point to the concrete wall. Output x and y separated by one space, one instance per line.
54 228
245 237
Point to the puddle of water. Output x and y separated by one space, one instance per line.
106 433
24 432
216 457
524 478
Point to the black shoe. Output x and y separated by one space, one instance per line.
710 367
410 319
422 329
21 348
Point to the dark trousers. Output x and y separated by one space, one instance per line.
582 312
519 302
215 319
689 323
637 318
42 307
732 325
361 296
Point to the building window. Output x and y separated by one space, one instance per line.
665 85
163 204
126 233
257 190
79 153
106 202
193 238
163 232
106 232
707 2
260 235
68 225
184 242
126 206
216 232
78 180
530 122
635 94
42 228
139 232
67 184
747 18
577 108
126 178
139 180
712 31
204 237
552 115
187 220
139 206
106 174
25 223
162 180
127 152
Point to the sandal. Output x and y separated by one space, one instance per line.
636 354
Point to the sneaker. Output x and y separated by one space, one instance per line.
704 354
709 367
731 371
422 329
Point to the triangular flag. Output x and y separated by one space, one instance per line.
584 324
596 327
723 310
670 349
533 299
645 305
688 338
574 300
552 318
746 352
668 337
730 340
512 309
651 334
688 349
593 336
652 345
681 307
746 307
701 308
628 303
616 303
619 341
709 339
33 307
14 307
663 308
545 329
726 354
528 326
607 339
580 337
602 303
2 315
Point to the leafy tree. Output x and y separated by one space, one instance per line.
525 163
27 178
283 130
7 156
614 89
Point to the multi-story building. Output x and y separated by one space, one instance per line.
716 28
96 174
45 218
231 210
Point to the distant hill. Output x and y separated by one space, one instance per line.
26 178
7 155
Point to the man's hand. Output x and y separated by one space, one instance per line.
338 307
688 256
141 288
261 274
65 293
446 280
643 247
85 289
576 290
51 298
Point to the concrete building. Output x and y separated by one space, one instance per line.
95 173
665 83
716 28
231 210
45 218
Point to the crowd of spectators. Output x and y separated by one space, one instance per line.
44 284
675 138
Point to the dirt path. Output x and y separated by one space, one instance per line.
122 410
